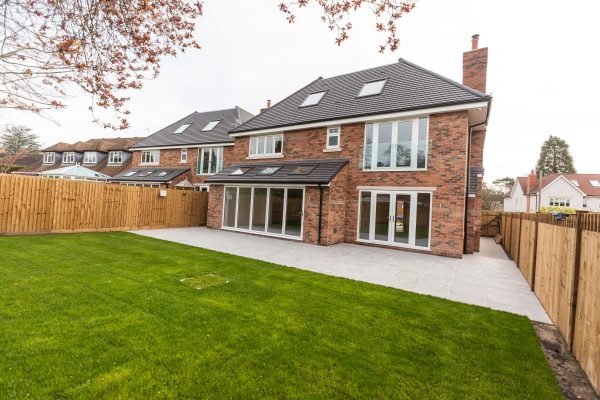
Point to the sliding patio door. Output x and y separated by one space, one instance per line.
394 218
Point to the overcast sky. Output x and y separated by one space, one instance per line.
543 70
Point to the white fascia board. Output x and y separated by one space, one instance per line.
566 180
365 118
181 146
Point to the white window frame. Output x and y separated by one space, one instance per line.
111 157
559 202
265 141
393 152
68 155
331 132
201 188
90 157
200 160
268 203
150 157
183 157
49 157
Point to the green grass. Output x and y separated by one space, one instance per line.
89 316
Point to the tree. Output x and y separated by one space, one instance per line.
8 162
17 139
492 197
504 184
108 47
555 157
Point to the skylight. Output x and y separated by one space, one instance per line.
162 173
181 128
372 88
130 173
145 173
210 126
240 171
269 170
575 182
595 183
313 99
302 169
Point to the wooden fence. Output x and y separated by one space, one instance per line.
38 205
490 223
561 262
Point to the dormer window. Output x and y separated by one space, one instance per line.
89 157
182 128
313 99
210 126
115 157
372 88
68 157
49 158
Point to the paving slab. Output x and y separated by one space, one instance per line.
487 278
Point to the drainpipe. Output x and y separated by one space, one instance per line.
320 214
466 231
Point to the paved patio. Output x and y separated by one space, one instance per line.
487 279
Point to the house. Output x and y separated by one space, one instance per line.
105 157
12 163
388 156
577 191
186 152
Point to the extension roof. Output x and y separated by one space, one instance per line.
408 87
76 171
193 135
155 175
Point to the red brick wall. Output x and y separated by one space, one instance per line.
475 69
446 172
474 203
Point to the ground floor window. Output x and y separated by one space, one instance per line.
559 202
394 217
268 210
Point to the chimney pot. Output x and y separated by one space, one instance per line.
268 103
475 41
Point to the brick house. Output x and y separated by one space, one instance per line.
389 156
186 152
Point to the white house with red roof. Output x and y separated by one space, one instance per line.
578 191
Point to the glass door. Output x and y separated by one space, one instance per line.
401 218
381 222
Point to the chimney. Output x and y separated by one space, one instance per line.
475 66
530 184
267 107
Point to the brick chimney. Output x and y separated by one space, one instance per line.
531 178
267 107
475 66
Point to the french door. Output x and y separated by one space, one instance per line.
395 218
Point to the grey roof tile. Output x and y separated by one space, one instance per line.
154 176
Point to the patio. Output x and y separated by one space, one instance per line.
487 279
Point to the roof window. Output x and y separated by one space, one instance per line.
145 173
181 128
313 99
268 170
210 126
595 183
162 173
575 182
130 173
372 88
241 171
302 170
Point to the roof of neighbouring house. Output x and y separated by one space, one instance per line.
76 171
583 182
194 133
25 160
149 174
102 145
408 87
297 171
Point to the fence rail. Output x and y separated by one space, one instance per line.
560 259
36 205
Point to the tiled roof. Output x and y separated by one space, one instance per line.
150 174
315 171
193 134
582 179
102 145
408 87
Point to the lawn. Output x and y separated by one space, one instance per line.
120 316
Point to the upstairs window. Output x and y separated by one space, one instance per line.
210 126
399 145
183 157
68 157
115 157
313 99
181 128
333 138
150 157
89 157
372 88
210 160
265 146
49 158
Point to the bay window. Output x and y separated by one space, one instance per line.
396 145
265 146
210 160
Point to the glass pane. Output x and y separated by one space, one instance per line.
293 210
229 209
261 145
213 161
384 145
276 211
243 221
402 218
253 145
365 215
382 216
270 145
423 213
404 145
368 146
219 152
422 149
333 141
205 160
259 209
278 144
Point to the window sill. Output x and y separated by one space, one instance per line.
260 157
183 162
149 165
395 170
332 150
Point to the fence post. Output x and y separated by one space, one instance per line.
535 242
575 284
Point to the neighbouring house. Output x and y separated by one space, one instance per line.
577 191
106 157
186 152
389 156
12 163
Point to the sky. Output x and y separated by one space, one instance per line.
543 71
